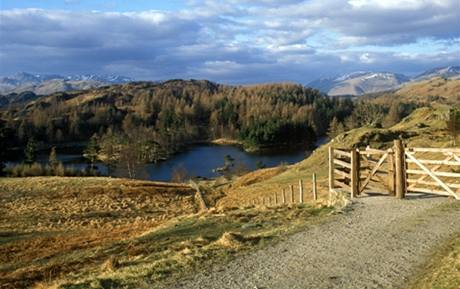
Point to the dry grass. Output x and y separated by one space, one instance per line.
114 233
443 270
435 89
51 226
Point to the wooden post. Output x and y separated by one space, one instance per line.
276 198
283 197
300 191
315 196
331 169
400 170
292 193
354 174
391 173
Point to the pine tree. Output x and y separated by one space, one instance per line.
91 151
52 160
335 128
393 116
30 152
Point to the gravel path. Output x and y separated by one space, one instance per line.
379 244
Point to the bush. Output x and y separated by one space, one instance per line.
36 169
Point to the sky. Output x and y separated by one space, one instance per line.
228 41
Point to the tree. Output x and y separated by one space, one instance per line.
394 114
453 125
3 145
335 128
260 165
30 152
52 160
91 151
228 161
179 174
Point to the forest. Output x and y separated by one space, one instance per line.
147 122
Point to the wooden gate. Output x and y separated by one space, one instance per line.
376 170
434 170
393 170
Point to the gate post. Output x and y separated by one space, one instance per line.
400 169
331 169
354 174
391 172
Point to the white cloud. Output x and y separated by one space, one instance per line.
233 40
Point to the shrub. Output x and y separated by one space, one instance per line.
36 169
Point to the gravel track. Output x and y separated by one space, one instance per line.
379 244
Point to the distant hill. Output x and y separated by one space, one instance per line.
365 82
44 84
359 83
436 90
445 72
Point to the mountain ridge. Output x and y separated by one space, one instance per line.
363 82
50 83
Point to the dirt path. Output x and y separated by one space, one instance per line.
379 244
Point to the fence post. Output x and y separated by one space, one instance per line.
283 197
331 169
400 169
354 174
391 172
292 193
276 198
300 191
315 196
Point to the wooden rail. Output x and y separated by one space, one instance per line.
354 170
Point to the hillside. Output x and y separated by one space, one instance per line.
359 83
50 83
425 127
364 82
161 119
435 90
46 218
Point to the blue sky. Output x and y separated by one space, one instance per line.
88 5
231 41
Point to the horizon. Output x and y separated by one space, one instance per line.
229 41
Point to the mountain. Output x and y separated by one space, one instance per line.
359 83
445 72
44 84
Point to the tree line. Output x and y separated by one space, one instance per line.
145 122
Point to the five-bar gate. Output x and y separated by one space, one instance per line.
397 170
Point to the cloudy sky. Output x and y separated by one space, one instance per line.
231 41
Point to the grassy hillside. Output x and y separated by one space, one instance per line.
58 232
435 90
51 226
425 127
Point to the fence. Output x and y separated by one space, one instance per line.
294 194
392 170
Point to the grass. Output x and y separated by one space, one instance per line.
443 270
183 246
61 232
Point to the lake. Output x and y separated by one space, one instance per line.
198 160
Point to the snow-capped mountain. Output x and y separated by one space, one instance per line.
447 72
50 83
358 83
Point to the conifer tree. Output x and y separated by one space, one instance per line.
30 152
